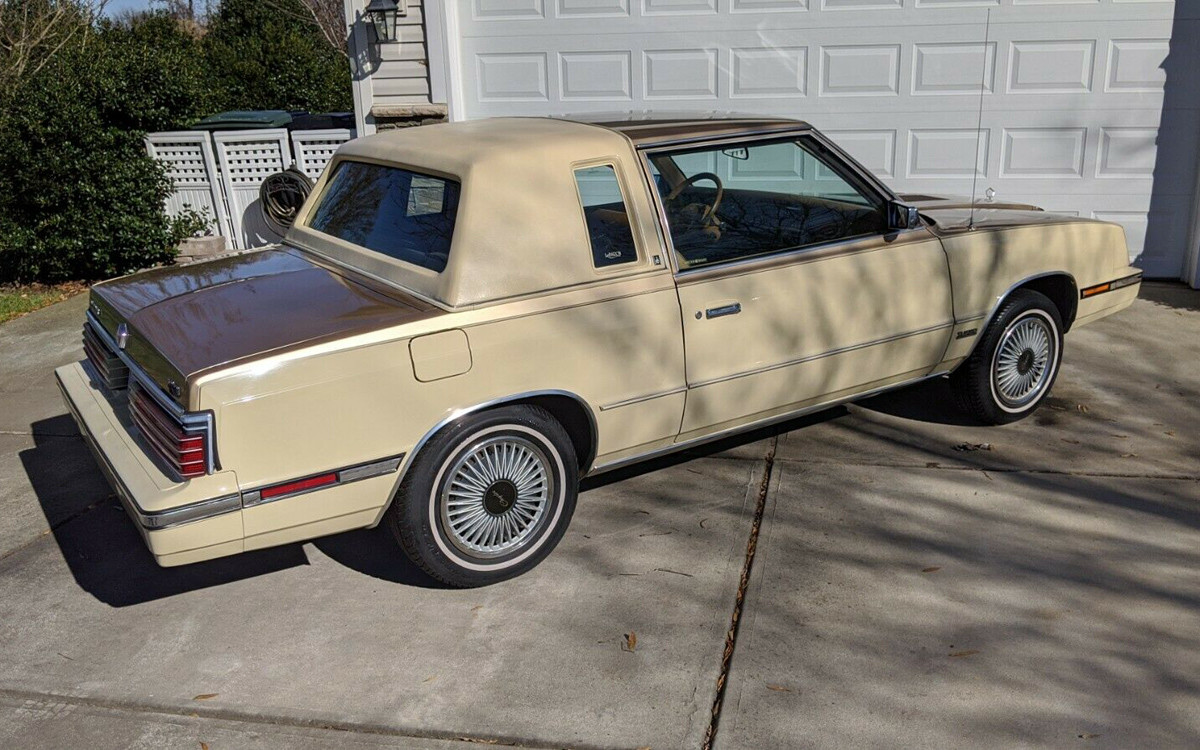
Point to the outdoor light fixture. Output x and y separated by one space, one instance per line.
383 15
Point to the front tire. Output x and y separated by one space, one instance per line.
488 497
1014 365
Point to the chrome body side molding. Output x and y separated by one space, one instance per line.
675 448
824 354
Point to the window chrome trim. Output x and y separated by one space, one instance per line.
188 420
823 355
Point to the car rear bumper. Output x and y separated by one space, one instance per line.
181 522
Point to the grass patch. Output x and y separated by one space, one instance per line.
16 301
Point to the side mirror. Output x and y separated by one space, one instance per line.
903 216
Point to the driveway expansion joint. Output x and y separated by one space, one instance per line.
994 470
735 619
206 712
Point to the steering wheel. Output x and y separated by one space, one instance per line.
710 211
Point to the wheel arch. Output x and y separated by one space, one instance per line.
570 409
1058 286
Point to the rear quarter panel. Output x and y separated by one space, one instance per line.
359 400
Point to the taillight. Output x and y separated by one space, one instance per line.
184 448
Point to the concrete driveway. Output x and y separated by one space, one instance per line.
915 581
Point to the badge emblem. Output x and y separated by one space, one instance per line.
122 336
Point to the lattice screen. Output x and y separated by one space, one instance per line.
314 148
193 172
246 158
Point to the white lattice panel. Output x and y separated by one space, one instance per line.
193 172
313 149
246 158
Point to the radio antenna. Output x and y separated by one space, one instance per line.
987 28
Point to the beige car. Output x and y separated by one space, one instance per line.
468 318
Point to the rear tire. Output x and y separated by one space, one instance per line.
488 497
1015 363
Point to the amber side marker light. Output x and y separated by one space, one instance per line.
1110 286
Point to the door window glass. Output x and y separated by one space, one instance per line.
731 202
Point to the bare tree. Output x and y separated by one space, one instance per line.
32 32
327 15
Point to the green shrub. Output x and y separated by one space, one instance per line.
80 199
265 55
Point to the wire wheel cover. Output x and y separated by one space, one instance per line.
1023 360
496 495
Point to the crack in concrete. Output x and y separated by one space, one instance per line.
56 526
218 714
735 619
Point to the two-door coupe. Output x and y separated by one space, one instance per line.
467 318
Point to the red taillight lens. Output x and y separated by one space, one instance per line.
182 448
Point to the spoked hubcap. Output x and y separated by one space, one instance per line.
496 496
1024 359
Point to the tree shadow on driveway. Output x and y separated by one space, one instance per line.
100 543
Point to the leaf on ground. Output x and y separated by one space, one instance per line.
1170 433
205 696
960 654
430 678
630 643
702 522
203 745
778 688
932 569
964 447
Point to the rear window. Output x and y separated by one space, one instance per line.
404 215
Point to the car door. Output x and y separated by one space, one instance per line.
793 290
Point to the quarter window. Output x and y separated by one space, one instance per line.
392 211
609 231
731 202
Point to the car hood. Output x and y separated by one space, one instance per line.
185 321
953 213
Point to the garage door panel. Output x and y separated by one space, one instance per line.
1073 93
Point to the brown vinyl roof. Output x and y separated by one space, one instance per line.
659 129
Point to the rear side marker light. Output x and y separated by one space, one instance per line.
300 485
321 481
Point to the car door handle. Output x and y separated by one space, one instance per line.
730 309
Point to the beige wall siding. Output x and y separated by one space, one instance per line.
401 75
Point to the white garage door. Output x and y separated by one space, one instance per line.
1074 90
